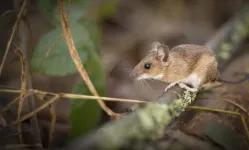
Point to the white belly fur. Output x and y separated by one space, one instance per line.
193 79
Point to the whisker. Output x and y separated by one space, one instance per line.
153 80
143 84
139 85
127 69
147 84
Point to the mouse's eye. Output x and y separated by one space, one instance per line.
147 66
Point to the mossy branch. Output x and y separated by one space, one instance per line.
230 36
145 123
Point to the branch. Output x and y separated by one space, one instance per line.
52 126
25 45
72 96
146 123
77 61
146 126
12 34
23 91
51 101
27 116
230 36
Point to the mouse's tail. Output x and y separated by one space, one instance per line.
219 79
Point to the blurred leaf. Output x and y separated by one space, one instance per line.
108 8
85 114
59 62
223 135
94 32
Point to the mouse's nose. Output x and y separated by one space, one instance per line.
134 74
131 74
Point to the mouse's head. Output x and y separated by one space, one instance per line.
152 66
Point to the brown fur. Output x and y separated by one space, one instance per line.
183 60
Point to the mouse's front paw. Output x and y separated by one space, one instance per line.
184 86
170 85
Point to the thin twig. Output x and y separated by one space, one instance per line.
235 104
26 44
52 127
77 61
7 12
224 111
23 89
14 134
76 96
2 121
12 35
10 104
51 101
53 45
62 95
238 105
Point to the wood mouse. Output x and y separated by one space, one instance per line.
186 65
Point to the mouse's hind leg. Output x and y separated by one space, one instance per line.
194 80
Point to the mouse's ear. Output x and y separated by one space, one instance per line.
162 52
154 46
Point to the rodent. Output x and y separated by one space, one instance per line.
186 65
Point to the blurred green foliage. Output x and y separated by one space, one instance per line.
51 56
85 113
107 9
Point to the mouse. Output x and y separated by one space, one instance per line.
189 65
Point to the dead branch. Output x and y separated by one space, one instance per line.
73 96
77 61
14 134
12 34
51 101
62 95
52 126
10 104
24 45
23 90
